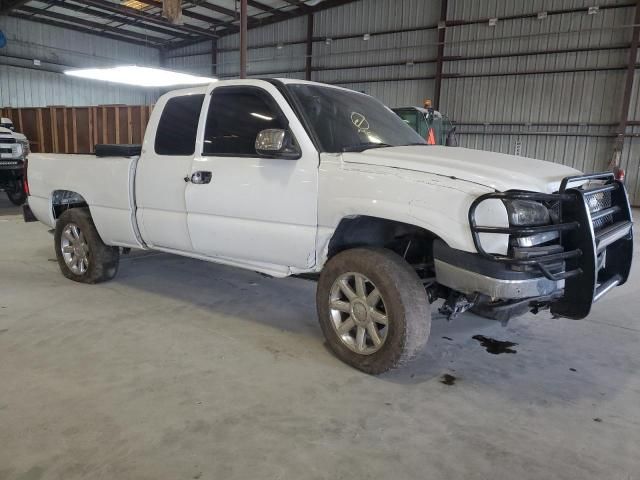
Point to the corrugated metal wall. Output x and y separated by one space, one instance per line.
194 59
567 116
23 84
407 48
504 92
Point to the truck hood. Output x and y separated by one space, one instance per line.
5 132
497 171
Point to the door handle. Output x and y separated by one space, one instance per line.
199 178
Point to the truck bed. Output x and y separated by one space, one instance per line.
106 185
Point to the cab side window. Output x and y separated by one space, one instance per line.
178 125
236 116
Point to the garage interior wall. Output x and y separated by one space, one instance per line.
23 84
548 88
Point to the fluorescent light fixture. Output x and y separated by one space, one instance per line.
140 76
134 4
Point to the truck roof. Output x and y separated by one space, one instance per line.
202 89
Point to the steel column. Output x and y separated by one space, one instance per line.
628 87
442 29
243 38
309 58
214 57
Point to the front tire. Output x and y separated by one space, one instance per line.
373 309
81 253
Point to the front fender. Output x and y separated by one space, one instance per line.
436 203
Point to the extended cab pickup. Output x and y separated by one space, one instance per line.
287 177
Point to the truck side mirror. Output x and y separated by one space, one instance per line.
277 143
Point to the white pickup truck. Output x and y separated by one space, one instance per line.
287 177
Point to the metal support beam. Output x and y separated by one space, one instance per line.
628 87
215 8
98 27
261 22
214 57
165 30
309 58
7 5
186 12
442 30
243 38
144 17
78 28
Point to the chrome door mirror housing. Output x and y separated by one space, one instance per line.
277 143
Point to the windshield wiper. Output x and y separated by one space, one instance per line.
361 147
416 143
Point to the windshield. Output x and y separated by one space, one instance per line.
346 121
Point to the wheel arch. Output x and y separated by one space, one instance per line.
62 200
411 241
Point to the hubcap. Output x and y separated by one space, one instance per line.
75 250
358 313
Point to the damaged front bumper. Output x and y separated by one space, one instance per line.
592 255
470 274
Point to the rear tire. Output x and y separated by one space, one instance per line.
373 309
82 255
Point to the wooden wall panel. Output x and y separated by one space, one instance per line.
83 128
60 129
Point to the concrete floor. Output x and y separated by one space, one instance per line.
179 369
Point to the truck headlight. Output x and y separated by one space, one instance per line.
18 149
527 213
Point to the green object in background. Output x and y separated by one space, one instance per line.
422 119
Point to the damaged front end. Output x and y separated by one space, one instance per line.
565 261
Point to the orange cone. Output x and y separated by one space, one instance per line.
431 137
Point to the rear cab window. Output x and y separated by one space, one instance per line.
178 126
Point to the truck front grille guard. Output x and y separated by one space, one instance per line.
538 262
595 230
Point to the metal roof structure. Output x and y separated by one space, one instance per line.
141 21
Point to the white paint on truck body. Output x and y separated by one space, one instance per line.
277 216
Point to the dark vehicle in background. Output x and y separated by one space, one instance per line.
430 124
14 149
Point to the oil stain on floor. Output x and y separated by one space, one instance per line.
495 347
448 379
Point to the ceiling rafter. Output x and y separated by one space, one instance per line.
146 17
284 15
215 8
7 5
187 13
88 23
77 28
203 19
165 30
326 4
